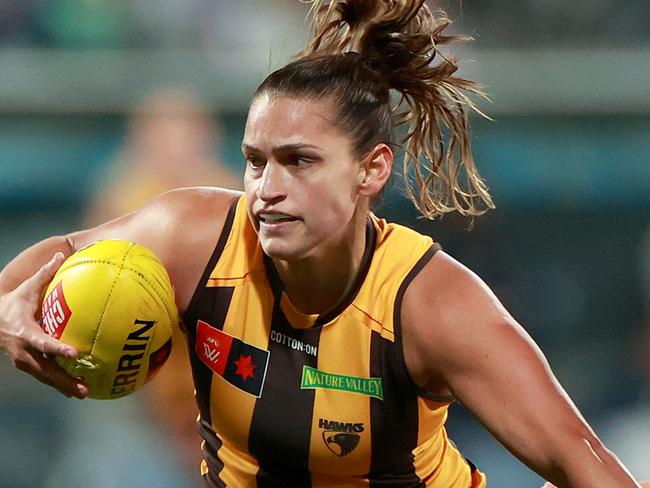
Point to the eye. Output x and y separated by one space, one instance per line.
301 161
254 162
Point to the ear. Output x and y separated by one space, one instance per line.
375 170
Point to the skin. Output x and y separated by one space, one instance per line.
298 164
458 338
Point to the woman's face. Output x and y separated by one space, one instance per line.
301 178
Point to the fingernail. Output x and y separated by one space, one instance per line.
82 389
69 353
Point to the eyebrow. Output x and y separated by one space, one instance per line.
285 147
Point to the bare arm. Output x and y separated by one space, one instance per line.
468 344
181 227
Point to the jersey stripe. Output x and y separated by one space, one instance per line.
206 302
364 267
212 303
203 378
220 298
349 409
282 447
431 439
233 407
211 466
198 300
394 423
239 468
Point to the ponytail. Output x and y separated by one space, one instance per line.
397 48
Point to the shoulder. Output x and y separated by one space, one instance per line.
180 226
171 218
183 217
190 221
449 315
193 212
198 202
450 289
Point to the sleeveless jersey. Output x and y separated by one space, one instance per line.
292 400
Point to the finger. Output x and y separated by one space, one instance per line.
44 275
47 371
46 344
54 375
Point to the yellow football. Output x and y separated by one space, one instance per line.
113 301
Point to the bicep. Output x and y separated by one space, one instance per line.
180 227
165 223
145 226
490 364
503 378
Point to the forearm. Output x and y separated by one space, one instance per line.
30 260
590 464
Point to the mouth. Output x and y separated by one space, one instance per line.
275 219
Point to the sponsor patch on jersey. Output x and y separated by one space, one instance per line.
55 314
341 438
313 378
239 363
293 343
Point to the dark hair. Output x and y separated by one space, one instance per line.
360 50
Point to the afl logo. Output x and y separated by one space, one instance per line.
341 438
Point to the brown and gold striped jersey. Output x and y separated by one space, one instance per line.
288 399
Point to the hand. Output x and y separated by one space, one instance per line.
29 348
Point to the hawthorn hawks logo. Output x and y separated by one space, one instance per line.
341 438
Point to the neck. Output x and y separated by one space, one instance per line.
315 284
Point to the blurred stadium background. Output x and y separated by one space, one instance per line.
567 157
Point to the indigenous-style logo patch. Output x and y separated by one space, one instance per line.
313 378
239 363
341 438
55 313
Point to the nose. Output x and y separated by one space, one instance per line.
273 183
